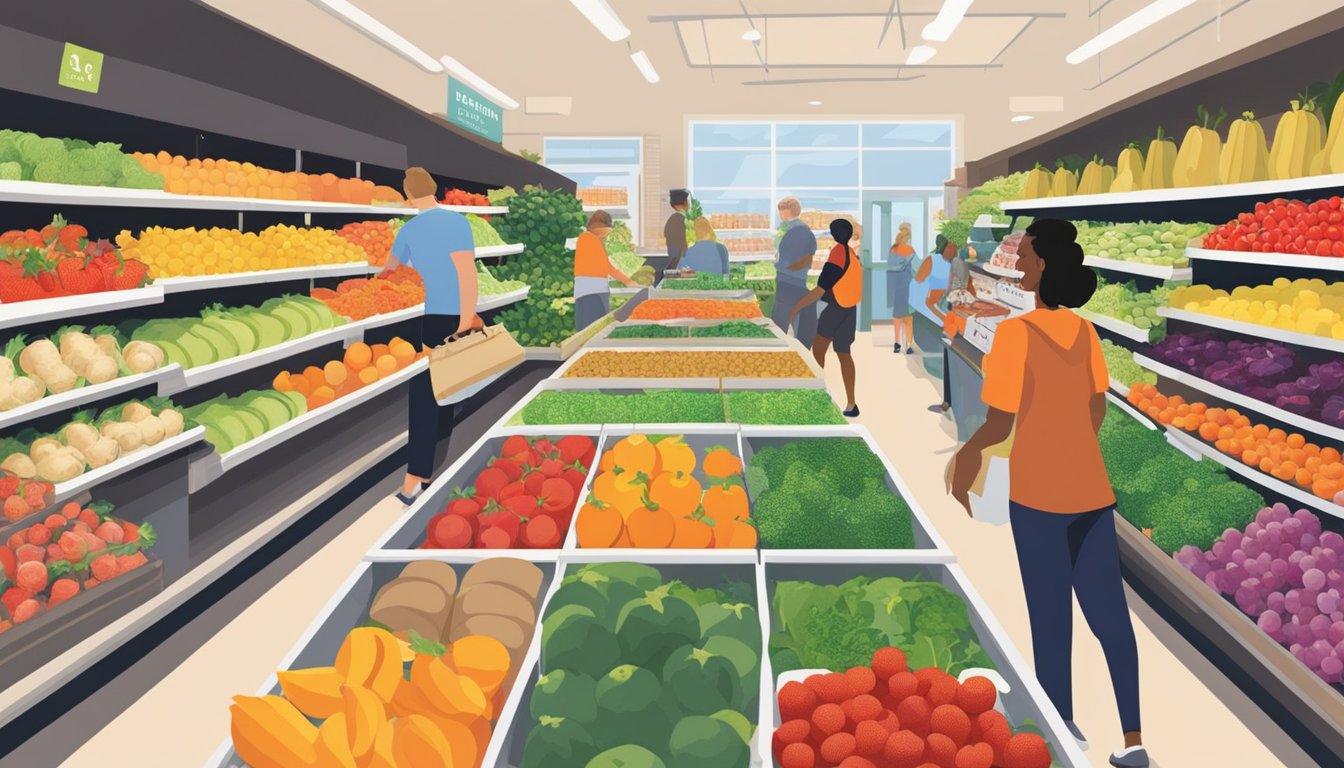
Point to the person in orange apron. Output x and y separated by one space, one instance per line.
840 286
1045 374
593 271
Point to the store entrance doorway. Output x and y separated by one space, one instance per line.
882 217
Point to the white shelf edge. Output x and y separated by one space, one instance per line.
212 466
1002 271
502 299
1131 332
232 279
77 397
1129 409
1290 260
127 462
748 258
78 194
479 210
1263 189
617 211
491 251
204 374
1161 272
1202 449
1253 329
1240 400
82 305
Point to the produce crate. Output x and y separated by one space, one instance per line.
699 437
29 646
506 749
1024 698
349 609
512 421
402 542
815 381
1308 708
565 349
725 294
603 339
929 546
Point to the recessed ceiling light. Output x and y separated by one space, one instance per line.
1021 118
752 35
920 54
814 103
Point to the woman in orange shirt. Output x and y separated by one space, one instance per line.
593 271
1046 376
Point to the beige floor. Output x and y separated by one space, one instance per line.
1190 724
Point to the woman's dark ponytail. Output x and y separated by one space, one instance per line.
1065 281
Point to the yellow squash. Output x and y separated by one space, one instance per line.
1097 177
1331 158
1245 157
1159 169
1064 184
1197 159
1297 141
1128 170
1039 183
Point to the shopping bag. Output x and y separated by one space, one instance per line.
463 361
988 494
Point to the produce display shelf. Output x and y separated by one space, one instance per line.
1253 329
213 465
746 258
479 210
1118 327
730 230
190 378
1160 271
494 251
388 318
235 279
126 463
87 394
1286 260
1127 408
1120 388
603 339
1002 271
487 303
1201 449
1304 187
78 194
17 699
84 305
1231 640
1024 700
1236 398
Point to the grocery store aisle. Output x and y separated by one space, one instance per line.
1210 722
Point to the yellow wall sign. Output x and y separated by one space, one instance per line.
81 69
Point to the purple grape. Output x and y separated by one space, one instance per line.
1269 621
1331 667
1275 602
1327 603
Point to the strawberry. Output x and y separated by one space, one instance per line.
26 610
62 590
12 597
515 445
544 446
77 278
496 538
70 511
511 467
8 562
575 475
110 531
54 522
577 448
133 274
14 290
532 483
514 488
463 504
35 494
522 506
39 534
89 517
16 508
541 533
128 563
551 467
94 543
30 553
17 540
73 546
496 516
9 485
130 532
55 553
556 495
490 481
31 577
448 531
70 237
104 567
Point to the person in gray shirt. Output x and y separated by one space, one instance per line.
796 250
674 231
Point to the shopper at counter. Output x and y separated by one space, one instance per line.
708 254
841 286
899 273
593 271
937 302
796 250
674 231
438 243
1045 384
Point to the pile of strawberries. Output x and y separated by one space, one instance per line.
24 497
459 197
69 552
60 260
886 716
1285 226
524 499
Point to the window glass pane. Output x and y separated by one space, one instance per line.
730 135
731 169
817 169
560 151
826 200
816 135
907 169
613 178
907 135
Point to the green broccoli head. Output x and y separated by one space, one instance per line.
783 522
878 519
840 638
35 150
9 151
90 167
934 609
11 171
1201 516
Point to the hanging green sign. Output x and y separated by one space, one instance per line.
474 112
81 68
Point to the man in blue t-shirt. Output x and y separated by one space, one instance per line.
439 245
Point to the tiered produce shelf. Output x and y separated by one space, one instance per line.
191 378
1118 327
62 307
88 394
1254 330
1159 271
128 461
1284 260
172 285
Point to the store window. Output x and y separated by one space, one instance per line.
608 171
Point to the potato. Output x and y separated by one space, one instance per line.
412 605
522 576
497 600
442 574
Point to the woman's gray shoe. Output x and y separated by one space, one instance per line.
1133 757
1077 734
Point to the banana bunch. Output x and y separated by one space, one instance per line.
372 715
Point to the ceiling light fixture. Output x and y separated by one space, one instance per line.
1021 118
600 15
920 54
1130 25
459 70
814 103
380 32
645 66
752 35
945 23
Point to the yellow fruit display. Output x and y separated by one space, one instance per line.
217 251
268 732
371 657
1331 158
1128 170
1160 166
1197 159
1064 183
1039 184
316 692
1311 307
1097 177
1245 156
1298 139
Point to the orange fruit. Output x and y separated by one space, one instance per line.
367 375
386 365
335 373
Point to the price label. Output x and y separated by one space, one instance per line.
81 69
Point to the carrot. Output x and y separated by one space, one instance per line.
690 533
598 526
651 530
358 356
335 373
